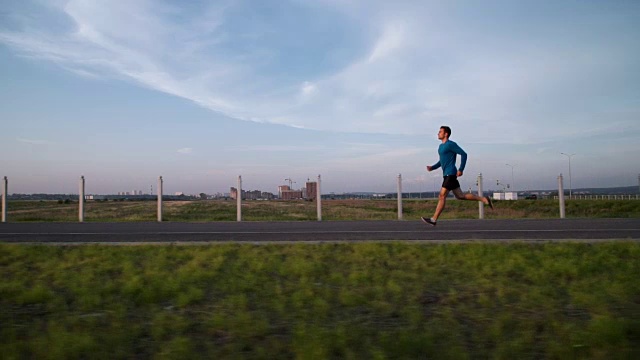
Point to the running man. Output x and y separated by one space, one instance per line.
448 151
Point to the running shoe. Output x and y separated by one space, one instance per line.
490 203
428 221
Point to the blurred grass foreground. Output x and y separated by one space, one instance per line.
321 301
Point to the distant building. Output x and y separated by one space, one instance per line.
286 193
282 188
311 190
291 194
250 195
505 196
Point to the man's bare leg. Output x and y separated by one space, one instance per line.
469 196
442 201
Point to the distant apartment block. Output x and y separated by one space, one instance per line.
286 193
311 190
251 195
127 193
291 194
282 188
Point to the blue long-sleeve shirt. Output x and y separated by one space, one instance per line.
448 151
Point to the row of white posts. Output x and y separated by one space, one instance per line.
239 198
160 193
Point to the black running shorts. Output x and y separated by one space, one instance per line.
450 182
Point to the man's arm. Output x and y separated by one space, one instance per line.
434 166
463 156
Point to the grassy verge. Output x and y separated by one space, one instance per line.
303 210
392 300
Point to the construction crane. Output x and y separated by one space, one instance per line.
291 182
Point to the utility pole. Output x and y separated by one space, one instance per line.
481 194
239 200
561 196
5 186
160 183
570 186
81 200
399 196
513 183
319 200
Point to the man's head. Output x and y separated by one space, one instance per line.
444 132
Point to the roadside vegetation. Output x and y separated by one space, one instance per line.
322 301
219 210
380 300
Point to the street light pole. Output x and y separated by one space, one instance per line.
570 187
513 184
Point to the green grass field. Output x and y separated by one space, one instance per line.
392 300
199 211
353 301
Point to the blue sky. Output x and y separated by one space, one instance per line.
203 91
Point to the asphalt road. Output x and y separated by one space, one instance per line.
311 231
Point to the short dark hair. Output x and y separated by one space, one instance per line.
447 130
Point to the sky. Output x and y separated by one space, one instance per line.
200 92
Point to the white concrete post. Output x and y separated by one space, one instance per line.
5 186
561 196
81 200
399 196
239 200
319 200
480 193
160 198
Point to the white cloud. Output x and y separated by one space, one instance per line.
421 64
308 88
185 151
392 38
